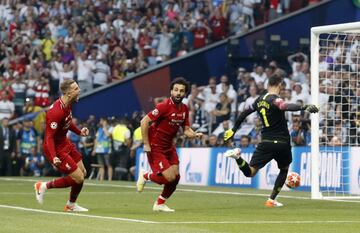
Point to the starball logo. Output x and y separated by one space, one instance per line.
192 176
271 174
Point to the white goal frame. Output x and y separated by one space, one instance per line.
315 132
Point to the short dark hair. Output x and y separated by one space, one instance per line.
181 81
275 80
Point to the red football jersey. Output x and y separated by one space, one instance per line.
58 122
167 118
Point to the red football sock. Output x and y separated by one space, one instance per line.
161 200
157 179
146 175
62 182
75 190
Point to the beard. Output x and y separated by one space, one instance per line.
75 99
177 99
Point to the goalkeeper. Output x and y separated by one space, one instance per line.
275 143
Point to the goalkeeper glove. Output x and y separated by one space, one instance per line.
311 108
228 134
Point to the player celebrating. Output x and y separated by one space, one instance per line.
165 120
59 151
275 143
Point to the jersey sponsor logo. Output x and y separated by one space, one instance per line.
176 122
53 125
173 114
155 112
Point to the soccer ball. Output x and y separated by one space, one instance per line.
292 180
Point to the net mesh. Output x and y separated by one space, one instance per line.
339 118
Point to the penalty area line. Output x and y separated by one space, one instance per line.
174 223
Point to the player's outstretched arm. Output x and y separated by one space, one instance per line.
230 132
282 105
145 124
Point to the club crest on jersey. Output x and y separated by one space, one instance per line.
53 125
155 112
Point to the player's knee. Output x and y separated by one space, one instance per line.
170 177
85 173
79 178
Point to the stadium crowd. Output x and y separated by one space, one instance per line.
98 42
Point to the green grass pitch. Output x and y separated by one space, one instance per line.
117 207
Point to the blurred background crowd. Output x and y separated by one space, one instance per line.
98 42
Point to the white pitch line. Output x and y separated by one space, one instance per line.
62 192
75 214
160 188
192 190
264 222
174 223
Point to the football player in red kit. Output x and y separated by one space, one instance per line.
159 128
59 151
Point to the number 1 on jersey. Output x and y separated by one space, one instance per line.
263 113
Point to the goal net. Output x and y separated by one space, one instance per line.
335 87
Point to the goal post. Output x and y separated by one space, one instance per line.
333 77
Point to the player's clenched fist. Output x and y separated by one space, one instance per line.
228 134
56 161
84 132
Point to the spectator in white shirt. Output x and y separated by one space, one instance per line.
102 73
7 108
210 95
85 68
259 74
164 46
248 102
68 73
223 81
19 88
299 94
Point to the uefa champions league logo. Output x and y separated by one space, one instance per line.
192 176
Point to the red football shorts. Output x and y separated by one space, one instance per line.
68 155
160 159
